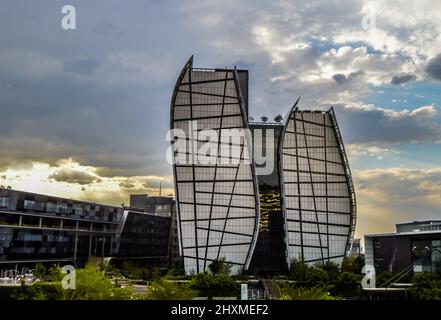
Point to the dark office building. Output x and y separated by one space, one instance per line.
165 207
144 235
415 246
41 228
270 251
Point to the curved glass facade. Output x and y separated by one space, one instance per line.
317 192
260 213
216 188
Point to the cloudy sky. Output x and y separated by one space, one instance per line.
84 113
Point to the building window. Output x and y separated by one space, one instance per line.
77 209
421 252
50 206
436 256
29 204
4 202
62 207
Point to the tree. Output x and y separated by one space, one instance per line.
134 271
425 286
278 118
220 266
91 284
316 277
332 269
55 274
347 284
176 270
298 269
40 271
264 118
384 277
353 264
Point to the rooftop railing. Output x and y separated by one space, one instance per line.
266 123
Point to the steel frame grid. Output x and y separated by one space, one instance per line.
348 181
189 67
353 200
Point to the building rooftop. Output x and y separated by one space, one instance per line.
58 198
419 222
394 234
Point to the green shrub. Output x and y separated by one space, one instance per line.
298 269
163 289
220 266
353 264
425 286
54 274
332 269
40 271
315 293
316 277
385 278
33 292
214 284
91 284
347 285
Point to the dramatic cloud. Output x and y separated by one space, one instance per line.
341 78
74 176
358 150
71 172
369 124
433 67
126 185
400 79
166 182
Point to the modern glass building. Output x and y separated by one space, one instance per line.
319 199
302 208
216 192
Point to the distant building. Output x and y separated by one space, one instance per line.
356 249
41 228
165 207
416 226
415 246
162 206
